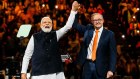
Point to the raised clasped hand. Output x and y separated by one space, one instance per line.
75 6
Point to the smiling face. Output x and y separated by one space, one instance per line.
46 24
97 20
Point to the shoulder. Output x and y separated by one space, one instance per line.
89 26
36 34
107 30
111 32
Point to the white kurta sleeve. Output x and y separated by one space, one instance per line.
68 25
27 56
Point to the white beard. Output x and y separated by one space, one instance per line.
46 29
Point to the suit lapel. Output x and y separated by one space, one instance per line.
91 33
102 37
89 36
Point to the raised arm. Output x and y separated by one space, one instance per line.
70 21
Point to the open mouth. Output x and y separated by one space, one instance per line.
47 27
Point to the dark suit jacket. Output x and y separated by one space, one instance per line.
106 50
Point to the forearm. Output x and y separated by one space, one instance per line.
62 31
25 63
68 25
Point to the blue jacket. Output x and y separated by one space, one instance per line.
106 50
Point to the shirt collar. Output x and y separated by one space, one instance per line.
101 29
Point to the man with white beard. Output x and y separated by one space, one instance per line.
46 61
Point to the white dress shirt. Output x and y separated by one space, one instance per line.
30 48
91 42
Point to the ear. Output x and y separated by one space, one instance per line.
103 21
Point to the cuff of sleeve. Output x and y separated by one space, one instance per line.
23 72
73 12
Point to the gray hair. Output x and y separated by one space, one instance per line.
97 14
45 17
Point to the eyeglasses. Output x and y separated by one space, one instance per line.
97 20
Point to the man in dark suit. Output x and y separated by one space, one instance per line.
98 62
